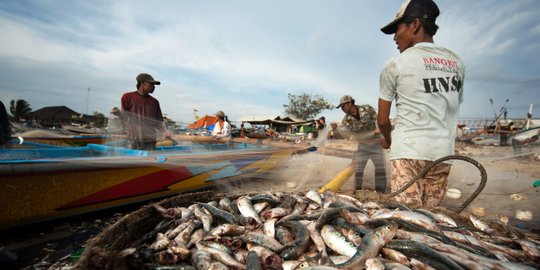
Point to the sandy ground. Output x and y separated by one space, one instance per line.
509 192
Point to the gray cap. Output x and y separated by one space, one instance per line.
344 99
220 114
144 77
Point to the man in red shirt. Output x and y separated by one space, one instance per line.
143 114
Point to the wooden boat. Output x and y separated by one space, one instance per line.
58 138
527 136
49 182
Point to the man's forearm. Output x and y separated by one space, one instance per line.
383 120
386 130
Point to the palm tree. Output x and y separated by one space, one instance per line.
20 109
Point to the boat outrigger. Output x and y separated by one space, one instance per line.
48 182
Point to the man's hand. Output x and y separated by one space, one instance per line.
384 143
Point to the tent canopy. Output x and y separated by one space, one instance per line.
206 121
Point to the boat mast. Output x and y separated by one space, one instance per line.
529 116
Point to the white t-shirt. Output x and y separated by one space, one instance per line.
426 82
222 132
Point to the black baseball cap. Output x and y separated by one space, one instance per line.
426 9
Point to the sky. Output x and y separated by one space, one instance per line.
244 57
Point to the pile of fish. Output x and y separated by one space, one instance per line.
310 230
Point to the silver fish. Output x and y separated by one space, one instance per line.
223 257
317 239
205 218
269 227
262 240
391 265
480 224
184 236
269 259
358 218
420 265
166 257
181 251
171 234
372 243
201 259
530 249
218 266
216 245
350 199
301 240
352 236
226 204
445 219
412 217
259 207
462 238
225 229
246 209
418 237
253 261
197 236
321 267
277 212
299 207
371 205
486 263
314 196
518 254
336 241
241 255
162 242
374 264
290 264
395 255
174 212
283 235
339 259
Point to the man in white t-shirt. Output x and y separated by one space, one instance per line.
222 128
426 82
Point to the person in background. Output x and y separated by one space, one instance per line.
333 132
504 133
114 123
5 128
360 120
320 124
142 114
242 131
222 128
426 82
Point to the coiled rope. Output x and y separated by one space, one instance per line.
421 174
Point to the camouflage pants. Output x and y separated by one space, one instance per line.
427 191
